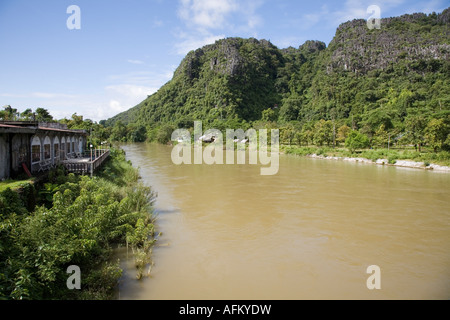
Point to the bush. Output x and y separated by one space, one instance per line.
392 159
85 218
164 134
356 141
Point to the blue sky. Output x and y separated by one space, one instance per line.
126 50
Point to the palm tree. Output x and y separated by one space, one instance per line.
9 113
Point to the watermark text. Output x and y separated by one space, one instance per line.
236 140
74 21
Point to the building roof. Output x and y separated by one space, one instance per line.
8 126
63 130
26 128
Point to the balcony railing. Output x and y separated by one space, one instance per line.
88 163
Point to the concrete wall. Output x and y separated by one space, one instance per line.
4 157
20 148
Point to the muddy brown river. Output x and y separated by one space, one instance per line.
309 232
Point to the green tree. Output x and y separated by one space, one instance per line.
342 133
298 138
164 134
76 122
356 140
436 133
119 132
381 137
323 132
290 108
377 118
415 130
307 133
269 115
43 115
27 115
288 134
8 113
137 133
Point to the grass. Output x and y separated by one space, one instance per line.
427 156
14 184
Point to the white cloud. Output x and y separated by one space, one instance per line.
47 95
206 21
192 42
135 61
357 9
350 10
117 107
123 97
158 23
11 95
143 78
131 91
249 8
209 14
120 93
429 7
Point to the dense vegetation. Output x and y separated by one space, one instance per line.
391 85
73 220
378 89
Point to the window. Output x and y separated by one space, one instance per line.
35 150
47 148
56 147
47 151
36 153
80 145
56 150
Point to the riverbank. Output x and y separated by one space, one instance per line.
377 157
385 162
69 220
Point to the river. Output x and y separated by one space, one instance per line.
309 232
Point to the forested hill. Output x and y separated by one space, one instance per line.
364 79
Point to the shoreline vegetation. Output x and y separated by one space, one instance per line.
395 158
48 224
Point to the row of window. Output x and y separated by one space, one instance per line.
65 147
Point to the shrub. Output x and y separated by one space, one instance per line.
356 141
84 219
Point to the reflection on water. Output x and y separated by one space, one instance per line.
309 232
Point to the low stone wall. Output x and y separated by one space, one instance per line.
399 163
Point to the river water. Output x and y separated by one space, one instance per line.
309 232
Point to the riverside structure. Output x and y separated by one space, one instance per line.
32 147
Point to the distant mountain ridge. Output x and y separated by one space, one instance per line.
359 49
403 65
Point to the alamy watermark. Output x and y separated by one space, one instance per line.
74 21
74 280
374 281
374 21
236 140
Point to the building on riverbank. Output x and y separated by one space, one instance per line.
36 146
